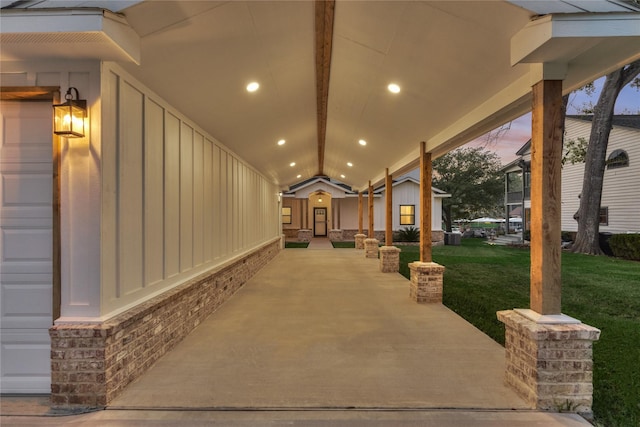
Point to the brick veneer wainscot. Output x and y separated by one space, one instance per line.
92 363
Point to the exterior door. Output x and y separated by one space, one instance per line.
26 174
320 221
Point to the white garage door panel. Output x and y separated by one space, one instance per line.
26 301
26 131
26 245
26 189
25 361
26 288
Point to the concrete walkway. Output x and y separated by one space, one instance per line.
322 338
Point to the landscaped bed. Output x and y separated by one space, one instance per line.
600 291
344 245
295 245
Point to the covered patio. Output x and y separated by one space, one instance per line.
201 113
331 342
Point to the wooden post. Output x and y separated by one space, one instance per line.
388 184
360 212
425 204
546 155
371 232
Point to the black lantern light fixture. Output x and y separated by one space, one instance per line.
69 117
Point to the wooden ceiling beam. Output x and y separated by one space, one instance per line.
29 93
324 37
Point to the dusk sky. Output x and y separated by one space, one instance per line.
510 141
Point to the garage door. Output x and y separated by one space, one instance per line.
25 246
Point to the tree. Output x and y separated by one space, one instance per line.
473 178
588 215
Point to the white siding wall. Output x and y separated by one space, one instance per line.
176 202
620 187
407 193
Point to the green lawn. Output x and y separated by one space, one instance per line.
603 292
344 245
295 245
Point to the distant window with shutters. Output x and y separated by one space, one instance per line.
604 216
286 215
617 159
407 214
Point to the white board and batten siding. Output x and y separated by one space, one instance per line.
26 268
620 187
176 202
404 193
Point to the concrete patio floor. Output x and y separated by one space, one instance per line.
322 338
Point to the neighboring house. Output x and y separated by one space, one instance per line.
619 211
322 205
620 204
518 189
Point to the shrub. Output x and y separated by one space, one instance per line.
626 246
526 234
409 234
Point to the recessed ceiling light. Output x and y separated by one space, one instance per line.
342 176
362 142
393 88
349 164
253 86
292 164
281 142
298 176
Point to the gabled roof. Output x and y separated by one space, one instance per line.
623 120
325 180
436 191
524 149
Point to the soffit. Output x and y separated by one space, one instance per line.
452 60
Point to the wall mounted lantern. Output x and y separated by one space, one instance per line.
69 117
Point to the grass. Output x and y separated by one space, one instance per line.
600 291
295 245
344 245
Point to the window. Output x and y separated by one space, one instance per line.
617 159
514 182
604 216
407 214
286 215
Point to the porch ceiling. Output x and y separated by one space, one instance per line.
451 59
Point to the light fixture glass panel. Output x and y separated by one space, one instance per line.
69 119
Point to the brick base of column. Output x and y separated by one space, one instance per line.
549 360
305 235
371 248
389 259
426 282
360 240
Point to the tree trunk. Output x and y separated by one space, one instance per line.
447 217
587 238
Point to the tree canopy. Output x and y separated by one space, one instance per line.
473 178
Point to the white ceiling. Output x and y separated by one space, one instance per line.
452 59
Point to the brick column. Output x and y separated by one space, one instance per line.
389 259
549 360
360 240
426 282
371 248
